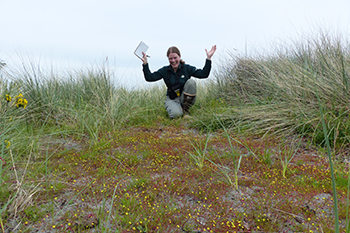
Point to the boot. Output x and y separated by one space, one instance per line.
188 102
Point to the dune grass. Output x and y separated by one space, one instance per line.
80 154
277 92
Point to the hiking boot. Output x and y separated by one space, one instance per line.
187 103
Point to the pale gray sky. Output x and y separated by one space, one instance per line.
77 33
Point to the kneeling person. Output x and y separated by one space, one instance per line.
181 89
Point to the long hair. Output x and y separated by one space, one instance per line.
174 49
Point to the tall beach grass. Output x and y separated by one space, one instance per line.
278 92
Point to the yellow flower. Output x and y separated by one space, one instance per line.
20 102
8 98
8 143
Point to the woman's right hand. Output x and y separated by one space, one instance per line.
144 58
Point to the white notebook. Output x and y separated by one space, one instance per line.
142 47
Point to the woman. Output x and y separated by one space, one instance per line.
181 92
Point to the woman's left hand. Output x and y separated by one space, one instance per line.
211 52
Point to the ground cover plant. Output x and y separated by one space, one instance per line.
141 179
80 154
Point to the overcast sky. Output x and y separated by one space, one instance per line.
77 33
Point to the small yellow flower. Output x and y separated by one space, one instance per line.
20 101
8 98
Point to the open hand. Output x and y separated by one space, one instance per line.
211 52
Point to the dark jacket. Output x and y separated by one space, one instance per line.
178 79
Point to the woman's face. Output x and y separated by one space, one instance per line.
174 60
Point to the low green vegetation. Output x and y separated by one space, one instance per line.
266 149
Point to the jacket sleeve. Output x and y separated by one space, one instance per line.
149 76
201 73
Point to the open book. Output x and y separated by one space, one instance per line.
142 47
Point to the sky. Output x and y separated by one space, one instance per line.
75 34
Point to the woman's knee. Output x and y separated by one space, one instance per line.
173 107
190 87
175 112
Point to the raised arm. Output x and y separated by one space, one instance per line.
211 52
151 76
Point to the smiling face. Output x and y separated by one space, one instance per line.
174 57
174 60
